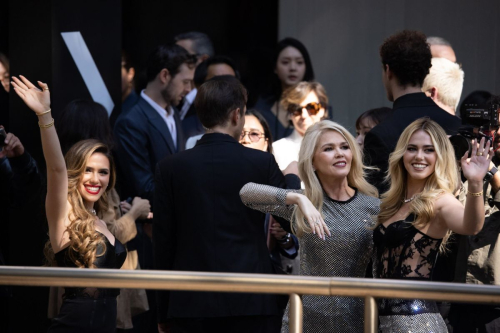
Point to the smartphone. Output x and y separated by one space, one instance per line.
3 136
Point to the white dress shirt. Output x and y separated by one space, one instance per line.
287 149
188 101
168 117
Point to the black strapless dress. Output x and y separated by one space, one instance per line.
403 252
89 309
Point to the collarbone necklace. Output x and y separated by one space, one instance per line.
409 200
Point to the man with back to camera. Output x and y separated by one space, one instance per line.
406 59
200 223
444 84
199 45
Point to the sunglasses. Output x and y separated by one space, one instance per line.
312 108
253 135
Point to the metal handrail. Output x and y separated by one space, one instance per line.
254 283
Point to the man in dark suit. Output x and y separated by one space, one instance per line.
151 130
148 132
200 223
406 59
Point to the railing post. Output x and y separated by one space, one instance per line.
295 314
371 315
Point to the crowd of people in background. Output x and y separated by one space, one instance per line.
188 177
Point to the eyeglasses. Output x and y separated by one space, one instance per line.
253 135
312 108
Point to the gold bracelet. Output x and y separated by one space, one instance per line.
45 112
478 194
47 125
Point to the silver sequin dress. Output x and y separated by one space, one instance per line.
345 254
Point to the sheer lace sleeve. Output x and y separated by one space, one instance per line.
267 199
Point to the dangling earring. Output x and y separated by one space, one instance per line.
314 169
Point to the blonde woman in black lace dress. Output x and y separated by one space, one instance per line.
416 215
330 165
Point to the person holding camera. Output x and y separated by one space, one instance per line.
19 174
19 185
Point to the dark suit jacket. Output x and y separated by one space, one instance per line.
142 140
191 124
382 139
200 224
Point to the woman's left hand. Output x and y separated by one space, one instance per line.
35 98
476 167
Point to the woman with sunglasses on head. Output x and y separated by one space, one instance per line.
306 105
417 214
78 187
331 167
292 64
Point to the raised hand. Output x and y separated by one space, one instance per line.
476 167
36 99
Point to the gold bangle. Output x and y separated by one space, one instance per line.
47 125
45 112
478 194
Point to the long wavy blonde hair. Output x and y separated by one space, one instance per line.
313 188
84 239
445 177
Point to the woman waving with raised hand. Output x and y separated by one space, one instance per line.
77 192
417 213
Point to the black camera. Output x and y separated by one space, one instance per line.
475 120
3 136
481 117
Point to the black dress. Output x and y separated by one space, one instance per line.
403 252
90 309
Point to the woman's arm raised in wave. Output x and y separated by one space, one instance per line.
56 202
468 220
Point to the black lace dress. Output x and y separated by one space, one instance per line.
403 252
90 309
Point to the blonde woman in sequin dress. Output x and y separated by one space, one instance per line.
330 165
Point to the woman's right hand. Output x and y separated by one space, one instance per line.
313 217
36 99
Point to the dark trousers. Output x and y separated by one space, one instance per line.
474 318
83 315
239 324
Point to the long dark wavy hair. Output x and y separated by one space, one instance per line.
84 239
